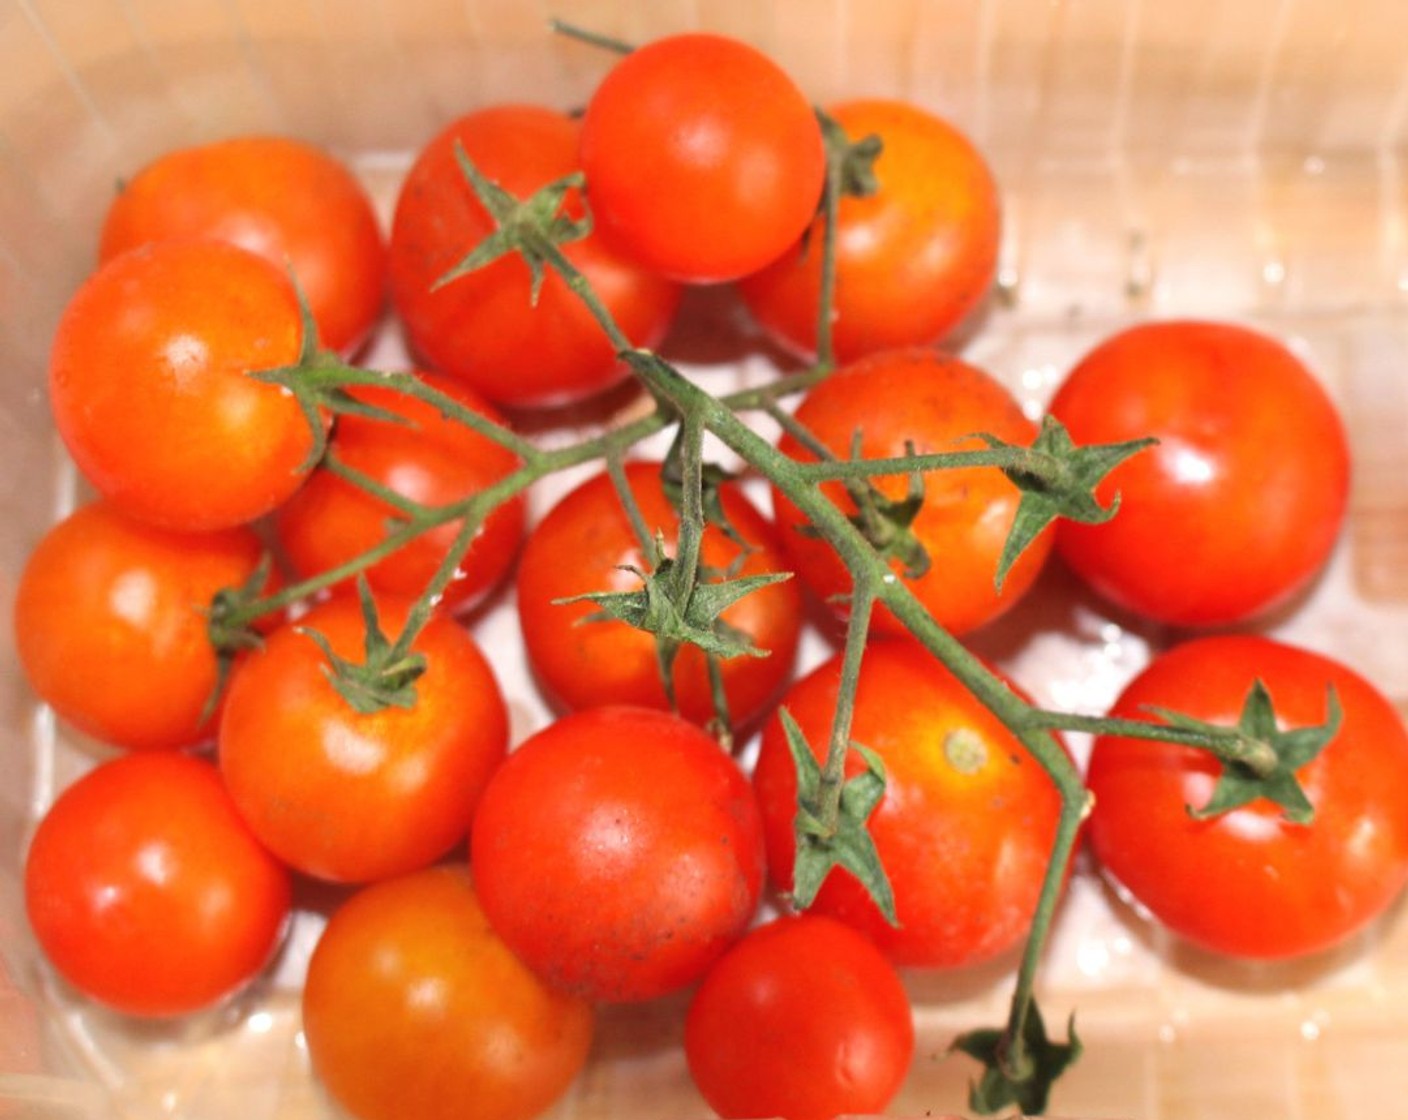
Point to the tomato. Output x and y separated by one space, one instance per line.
348 796
1247 882
483 326
429 459
704 161
147 892
414 1007
913 260
920 398
1239 505
584 544
618 852
149 389
966 824
803 1019
287 200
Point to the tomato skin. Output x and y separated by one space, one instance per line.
1241 502
803 1019
935 403
913 260
289 201
431 460
581 545
965 841
147 892
350 797
414 1007
736 165
1246 883
618 852
483 327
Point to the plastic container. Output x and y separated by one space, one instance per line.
1243 161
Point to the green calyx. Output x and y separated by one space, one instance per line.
1018 1075
386 675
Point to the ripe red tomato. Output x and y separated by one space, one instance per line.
913 259
966 824
1239 505
348 796
1247 882
618 852
286 200
704 160
803 1019
414 1007
146 890
483 326
431 460
149 389
583 544
110 624
922 399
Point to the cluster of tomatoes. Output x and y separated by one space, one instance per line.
621 853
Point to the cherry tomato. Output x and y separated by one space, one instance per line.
146 890
803 1019
149 388
414 1007
284 199
704 161
349 796
966 824
484 326
1240 503
920 401
618 852
1247 882
913 260
586 542
431 460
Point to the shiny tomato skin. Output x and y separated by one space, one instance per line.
148 893
914 259
583 545
618 852
803 1019
287 200
350 797
736 161
966 824
149 389
1240 504
429 459
111 624
483 326
1247 883
414 1007
922 401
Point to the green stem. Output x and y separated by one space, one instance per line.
833 771
1225 744
591 38
1021 459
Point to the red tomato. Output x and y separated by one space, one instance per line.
1239 505
147 892
934 403
582 664
966 824
284 199
110 624
1247 882
431 460
414 1007
149 388
803 1019
348 796
618 852
704 160
483 326
913 259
